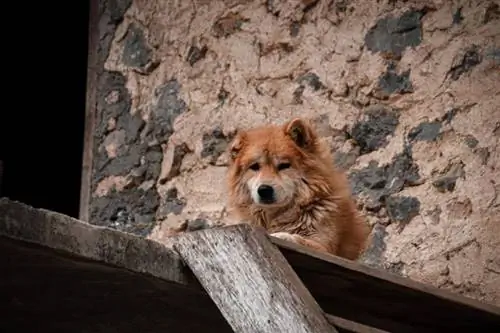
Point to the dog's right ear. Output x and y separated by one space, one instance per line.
236 144
301 132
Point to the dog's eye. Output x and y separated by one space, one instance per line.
255 167
283 166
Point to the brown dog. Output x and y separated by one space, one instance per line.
283 179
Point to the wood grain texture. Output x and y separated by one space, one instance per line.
250 281
384 300
90 110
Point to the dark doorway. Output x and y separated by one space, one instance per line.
41 129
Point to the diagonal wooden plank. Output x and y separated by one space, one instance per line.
250 281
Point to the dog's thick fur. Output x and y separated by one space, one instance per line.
311 201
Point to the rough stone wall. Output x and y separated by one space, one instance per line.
406 92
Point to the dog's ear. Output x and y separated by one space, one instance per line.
236 145
301 132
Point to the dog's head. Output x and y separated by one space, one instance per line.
269 163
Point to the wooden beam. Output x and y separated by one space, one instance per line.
38 244
250 281
357 298
54 291
90 110
384 300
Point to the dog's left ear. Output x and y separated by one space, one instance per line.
301 133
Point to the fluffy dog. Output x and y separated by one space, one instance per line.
283 178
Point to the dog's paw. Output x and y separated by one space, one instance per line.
284 235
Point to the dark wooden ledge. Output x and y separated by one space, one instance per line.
61 274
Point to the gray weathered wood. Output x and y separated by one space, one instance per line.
250 281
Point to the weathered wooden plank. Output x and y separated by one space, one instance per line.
250 281
367 297
61 232
60 257
90 110
383 300
43 290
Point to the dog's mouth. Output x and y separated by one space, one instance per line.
270 203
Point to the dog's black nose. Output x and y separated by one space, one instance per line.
266 193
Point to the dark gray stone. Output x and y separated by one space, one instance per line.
228 25
122 164
402 171
374 254
402 209
195 54
111 15
171 204
117 108
197 224
312 80
494 54
370 134
271 8
372 177
131 210
393 83
179 152
484 154
393 35
457 16
136 52
309 5
447 181
215 144
469 60
167 108
375 183
426 131
492 12
449 115
297 94
154 158
345 160
222 95
471 141
294 29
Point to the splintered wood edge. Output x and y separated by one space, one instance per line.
244 273
387 276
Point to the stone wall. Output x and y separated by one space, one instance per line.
407 93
